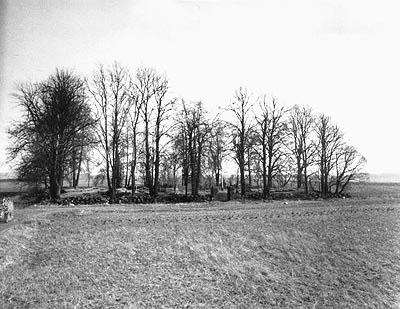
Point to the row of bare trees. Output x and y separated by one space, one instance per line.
137 127
288 142
131 108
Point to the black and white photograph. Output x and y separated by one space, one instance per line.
199 154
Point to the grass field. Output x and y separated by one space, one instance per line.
317 254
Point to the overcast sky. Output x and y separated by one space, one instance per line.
341 57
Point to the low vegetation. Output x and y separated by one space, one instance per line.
332 253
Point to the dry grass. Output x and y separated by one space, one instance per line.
315 254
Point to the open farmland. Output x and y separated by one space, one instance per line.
335 253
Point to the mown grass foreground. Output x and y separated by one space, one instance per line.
211 255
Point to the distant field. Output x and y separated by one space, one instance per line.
12 185
15 186
317 254
375 190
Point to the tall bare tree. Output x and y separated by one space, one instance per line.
217 148
88 162
193 131
181 144
83 143
145 81
241 128
155 109
330 139
170 163
163 110
301 143
251 154
134 117
112 104
272 131
348 163
55 111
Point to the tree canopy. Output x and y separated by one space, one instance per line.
56 112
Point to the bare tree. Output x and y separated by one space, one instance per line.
169 167
33 163
272 133
241 127
284 171
252 154
163 110
100 93
151 90
347 165
217 148
134 116
301 144
330 139
145 81
193 131
83 142
181 144
87 162
109 91
55 111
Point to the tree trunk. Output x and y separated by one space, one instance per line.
127 160
322 168
133 180
174 177
305 180
264 175
134 159
269 183
55 189
108 173
149 181
107 149
337 187
79 168
186 184
326 182
186 178
156 166
299 176
269 179
127 176
198 168
242 181
344 185
217 178
249 168
113 186
192 153
73 167
114 171
117 169
55 185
